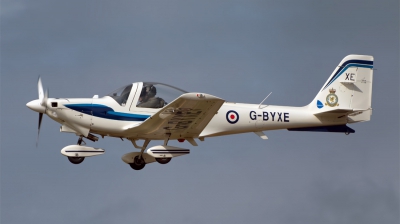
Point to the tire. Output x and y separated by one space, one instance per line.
163 160
138 164
76 160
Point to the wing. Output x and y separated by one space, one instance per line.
185 117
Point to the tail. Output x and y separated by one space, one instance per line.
348 90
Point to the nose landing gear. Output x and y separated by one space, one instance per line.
77 160
77 153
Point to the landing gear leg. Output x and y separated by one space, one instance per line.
80 140
145 144
166 139
138 161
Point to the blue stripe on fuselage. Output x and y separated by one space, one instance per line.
102 111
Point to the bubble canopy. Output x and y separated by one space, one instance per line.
151 94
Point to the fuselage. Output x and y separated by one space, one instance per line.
105 117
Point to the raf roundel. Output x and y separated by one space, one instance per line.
232 116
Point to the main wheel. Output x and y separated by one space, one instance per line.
138 164
76 160
163 160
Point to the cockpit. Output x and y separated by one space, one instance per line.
146 95
121 95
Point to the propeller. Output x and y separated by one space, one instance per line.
39 105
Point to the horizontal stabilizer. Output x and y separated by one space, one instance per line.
336 128
335 111
353 115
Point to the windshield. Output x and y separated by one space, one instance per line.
121 95
157 95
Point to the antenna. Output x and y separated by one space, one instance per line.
259 106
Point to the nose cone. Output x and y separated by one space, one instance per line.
35 106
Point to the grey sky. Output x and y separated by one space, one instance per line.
237 50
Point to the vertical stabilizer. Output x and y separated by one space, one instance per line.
348 90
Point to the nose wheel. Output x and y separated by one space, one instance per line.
76 160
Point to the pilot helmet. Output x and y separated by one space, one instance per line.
148 91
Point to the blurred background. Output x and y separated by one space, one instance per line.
237 50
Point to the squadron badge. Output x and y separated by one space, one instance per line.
332 99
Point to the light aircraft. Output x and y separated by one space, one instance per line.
155 111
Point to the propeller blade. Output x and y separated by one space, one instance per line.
40 123
40 90
40 120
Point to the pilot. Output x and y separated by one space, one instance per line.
148 98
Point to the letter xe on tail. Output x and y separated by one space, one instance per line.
152 111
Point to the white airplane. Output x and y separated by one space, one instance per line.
155 111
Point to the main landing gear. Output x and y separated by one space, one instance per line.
138 160
163 160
